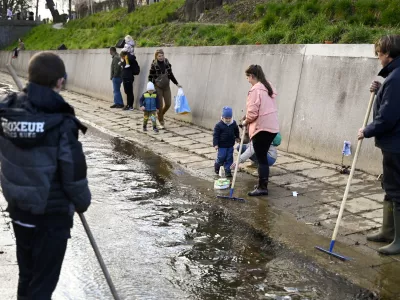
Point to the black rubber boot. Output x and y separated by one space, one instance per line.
394 247
261 189
386 233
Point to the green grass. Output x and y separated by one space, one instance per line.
274 22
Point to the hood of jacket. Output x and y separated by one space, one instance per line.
394 64
260 86
25 118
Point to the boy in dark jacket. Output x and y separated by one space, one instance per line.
386 129
150 105
226 132
43 174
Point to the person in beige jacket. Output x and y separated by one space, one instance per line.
262 121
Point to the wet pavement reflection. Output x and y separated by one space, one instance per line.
162 240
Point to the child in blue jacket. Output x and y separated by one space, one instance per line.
150 104
226 132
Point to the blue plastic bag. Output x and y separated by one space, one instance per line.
346 148
181 103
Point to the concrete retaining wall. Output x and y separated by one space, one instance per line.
323 89
11 30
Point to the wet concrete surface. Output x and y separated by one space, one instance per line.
164 236
161 239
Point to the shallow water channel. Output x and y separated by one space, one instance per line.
162 240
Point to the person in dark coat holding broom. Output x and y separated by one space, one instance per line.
386 130
43 174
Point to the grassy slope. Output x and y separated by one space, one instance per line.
276 21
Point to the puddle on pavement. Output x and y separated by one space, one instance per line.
161 240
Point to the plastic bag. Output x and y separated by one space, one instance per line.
181 103
346 148
222 184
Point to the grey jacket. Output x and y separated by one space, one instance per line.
115 67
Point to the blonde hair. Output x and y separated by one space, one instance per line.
159 51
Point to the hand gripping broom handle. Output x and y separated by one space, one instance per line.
353 168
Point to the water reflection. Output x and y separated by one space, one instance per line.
160 240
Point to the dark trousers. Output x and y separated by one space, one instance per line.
128 88
40 254
224 158
261 143
391 176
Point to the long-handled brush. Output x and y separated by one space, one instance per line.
99 257
235 173
346 193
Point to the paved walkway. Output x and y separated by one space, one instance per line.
319 185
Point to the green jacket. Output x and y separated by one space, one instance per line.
115 67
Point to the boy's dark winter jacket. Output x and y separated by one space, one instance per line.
225 135
386 124
43 167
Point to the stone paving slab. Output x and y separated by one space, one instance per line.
182 143
339 180
318 173
323 212
204 150
359 205
375 215
287 179
274 171
175 139
201 164
199 146
351 224
190 159
305 186
200 136
298 166
285 160
377 197
178 154
327 195
206 140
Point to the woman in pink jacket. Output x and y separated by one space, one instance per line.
262 122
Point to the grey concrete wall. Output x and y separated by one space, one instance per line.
322 89
11 30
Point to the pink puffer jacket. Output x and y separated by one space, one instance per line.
262 111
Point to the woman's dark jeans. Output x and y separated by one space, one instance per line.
261 143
